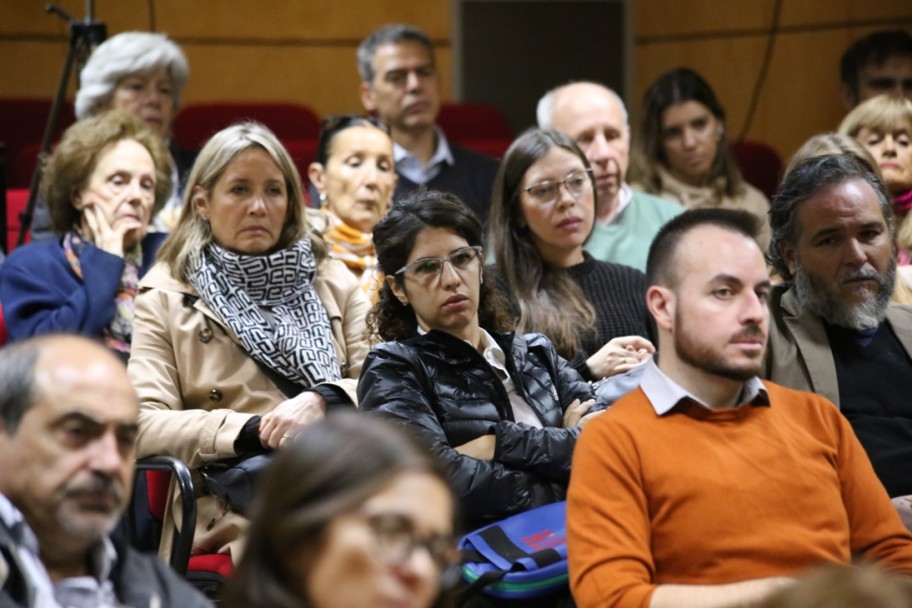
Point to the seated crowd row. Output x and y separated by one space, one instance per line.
496 327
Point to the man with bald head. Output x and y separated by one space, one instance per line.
68 423
626 220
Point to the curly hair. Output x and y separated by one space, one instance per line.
394 239
69 168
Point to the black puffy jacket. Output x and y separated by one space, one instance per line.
442 387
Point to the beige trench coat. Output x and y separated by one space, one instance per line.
197 386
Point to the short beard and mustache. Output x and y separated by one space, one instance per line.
703 357
824 300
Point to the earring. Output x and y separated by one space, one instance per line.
719 134
322 198
481 279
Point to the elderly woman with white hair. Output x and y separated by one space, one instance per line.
141 73
245 330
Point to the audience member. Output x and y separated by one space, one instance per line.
626 220
834 331
832 143
103 183
141 73
502 410
544 204
880 62
682 152
338 527
354 175
244 331
841 586
883 125
399 82
67 429
705 486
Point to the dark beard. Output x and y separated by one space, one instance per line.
691 352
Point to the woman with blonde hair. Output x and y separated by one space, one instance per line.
245 330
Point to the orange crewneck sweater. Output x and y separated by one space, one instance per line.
712 497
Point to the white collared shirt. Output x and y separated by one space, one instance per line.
664 393
411 168
34 572
625 195
496 358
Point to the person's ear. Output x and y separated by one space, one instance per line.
398 290
661 303
201 203
787 253
317 175
368 98
76 197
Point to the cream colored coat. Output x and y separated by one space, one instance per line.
694 197
197 386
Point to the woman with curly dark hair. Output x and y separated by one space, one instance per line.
502 410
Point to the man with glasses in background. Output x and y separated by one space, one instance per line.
399 82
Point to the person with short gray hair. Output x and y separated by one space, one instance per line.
399 82
834 330
144 74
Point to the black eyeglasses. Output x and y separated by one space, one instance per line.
339 122
425 269
397 540
576 183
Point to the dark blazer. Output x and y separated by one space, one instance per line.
470 177
441 387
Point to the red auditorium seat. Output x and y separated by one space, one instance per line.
478 126
760 165
196 123
16 200
22 123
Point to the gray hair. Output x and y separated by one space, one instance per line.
544 111
121 56
17 382
806 179
393 33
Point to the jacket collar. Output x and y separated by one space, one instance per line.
813 345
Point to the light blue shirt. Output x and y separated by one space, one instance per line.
411 168
664 393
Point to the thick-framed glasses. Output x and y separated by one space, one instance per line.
397 541
576 184
426 269
339 122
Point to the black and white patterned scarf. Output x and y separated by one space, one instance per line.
270 304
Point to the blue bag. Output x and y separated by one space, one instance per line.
523 556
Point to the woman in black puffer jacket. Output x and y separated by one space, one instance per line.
502 410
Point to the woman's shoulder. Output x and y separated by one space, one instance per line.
161 277
34 253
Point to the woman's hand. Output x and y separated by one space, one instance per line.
575 414
480 448
621 354
280 424
105 236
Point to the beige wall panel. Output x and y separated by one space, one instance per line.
665 17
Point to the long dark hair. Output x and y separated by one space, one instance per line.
550 302
313 480
679 86
394 239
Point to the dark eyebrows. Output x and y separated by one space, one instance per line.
875 224
97 426
729 279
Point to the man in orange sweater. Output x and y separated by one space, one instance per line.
706 487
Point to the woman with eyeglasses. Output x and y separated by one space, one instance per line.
682 152
355 176
335 526
245 332
501 409
542 213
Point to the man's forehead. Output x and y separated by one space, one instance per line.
585 105
711 251
850 202
400 55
